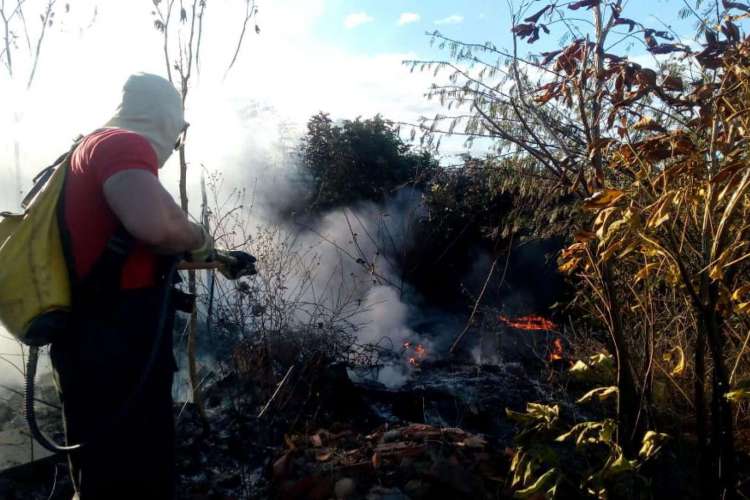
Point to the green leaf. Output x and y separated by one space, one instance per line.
590 432
573 433
601 393
521 418
619 465
518 467
738 395
652 443
579 367
598 369
544 483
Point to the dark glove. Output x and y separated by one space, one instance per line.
236 264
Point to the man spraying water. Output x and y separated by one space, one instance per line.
120 229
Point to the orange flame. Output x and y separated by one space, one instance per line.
557 350
416 353
530 322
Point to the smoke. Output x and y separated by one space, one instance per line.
11 360
350 256
387 317
347 261
354 253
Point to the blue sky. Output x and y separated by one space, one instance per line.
480 18
375 26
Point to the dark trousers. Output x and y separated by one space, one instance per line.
128 450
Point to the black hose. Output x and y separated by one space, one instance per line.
30 411
31 365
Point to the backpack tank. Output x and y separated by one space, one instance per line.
35 286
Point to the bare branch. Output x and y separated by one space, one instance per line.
45 22
250 10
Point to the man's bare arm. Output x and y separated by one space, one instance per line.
149 213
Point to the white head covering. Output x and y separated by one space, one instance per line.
151 107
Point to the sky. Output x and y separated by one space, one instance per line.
339 56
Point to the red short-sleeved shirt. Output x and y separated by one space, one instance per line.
90 221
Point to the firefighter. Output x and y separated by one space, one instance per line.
112 189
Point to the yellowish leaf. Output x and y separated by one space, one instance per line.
645 271
600 393
569 266
740 299
660 211
738 395
544 482
602 199
652 443
647 123
676 356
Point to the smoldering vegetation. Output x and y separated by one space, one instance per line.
350 264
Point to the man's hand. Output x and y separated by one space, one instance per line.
236 264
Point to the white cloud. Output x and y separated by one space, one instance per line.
454 19
408 18
357 19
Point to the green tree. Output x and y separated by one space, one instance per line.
358 160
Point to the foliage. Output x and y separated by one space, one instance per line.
555 460
672 214
655 156
358 160
558 459
501 197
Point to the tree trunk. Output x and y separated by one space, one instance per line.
628 402
193 330
699 388
722 433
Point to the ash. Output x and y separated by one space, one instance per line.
331 432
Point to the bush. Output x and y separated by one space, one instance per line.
359 160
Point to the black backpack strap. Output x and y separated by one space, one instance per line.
103 281
42 177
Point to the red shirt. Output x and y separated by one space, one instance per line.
90 221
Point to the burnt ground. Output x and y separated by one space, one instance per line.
331 433
443 434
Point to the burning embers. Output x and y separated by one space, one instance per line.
557 351
530 322
533 322
415 353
